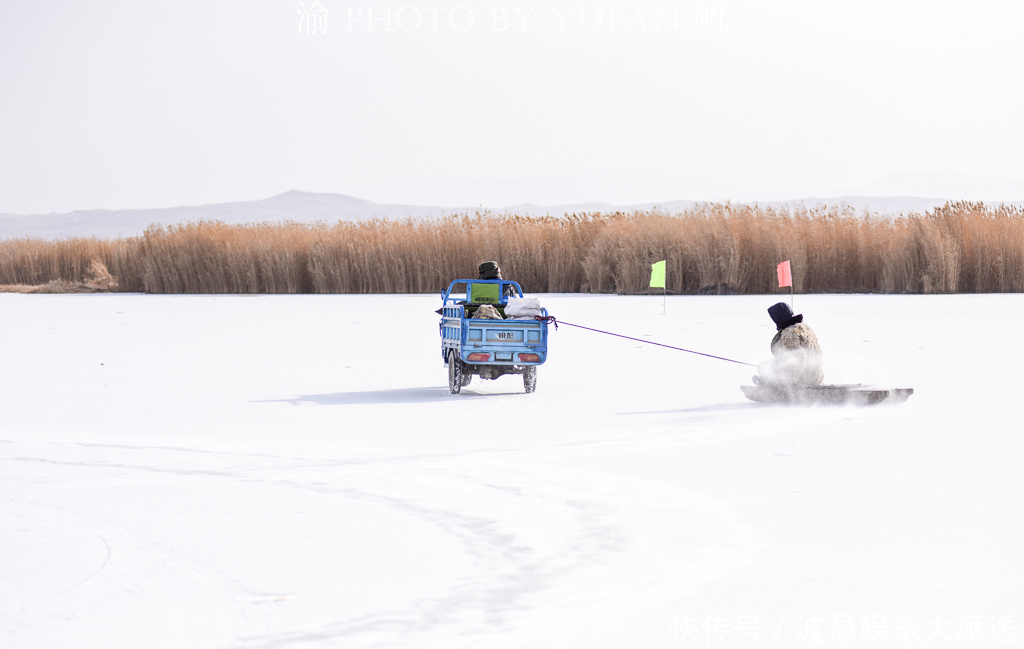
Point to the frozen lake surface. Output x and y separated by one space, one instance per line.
290 471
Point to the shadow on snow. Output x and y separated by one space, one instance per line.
397 395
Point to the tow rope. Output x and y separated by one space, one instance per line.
551 320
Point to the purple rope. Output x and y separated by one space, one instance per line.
551 320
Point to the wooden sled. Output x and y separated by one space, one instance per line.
857 394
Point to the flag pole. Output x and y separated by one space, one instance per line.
658 281
792 291
785 273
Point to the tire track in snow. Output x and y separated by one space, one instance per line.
510 569
129 564
513 570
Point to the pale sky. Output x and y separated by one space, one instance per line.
138 103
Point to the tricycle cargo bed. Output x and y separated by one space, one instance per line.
500 342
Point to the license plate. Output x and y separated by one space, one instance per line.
505 336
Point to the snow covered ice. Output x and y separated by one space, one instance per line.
290 471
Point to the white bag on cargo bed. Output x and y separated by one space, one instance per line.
518 307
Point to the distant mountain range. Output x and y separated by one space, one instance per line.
308 207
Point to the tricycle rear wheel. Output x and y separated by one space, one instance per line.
454 372
530 378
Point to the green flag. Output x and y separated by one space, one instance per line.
658 274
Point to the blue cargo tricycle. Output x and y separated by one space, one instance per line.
489 348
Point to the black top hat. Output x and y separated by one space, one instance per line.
490 270
783 316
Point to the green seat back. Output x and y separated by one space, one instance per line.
484 294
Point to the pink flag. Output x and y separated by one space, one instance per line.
785 274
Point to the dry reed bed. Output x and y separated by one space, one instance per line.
961 247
